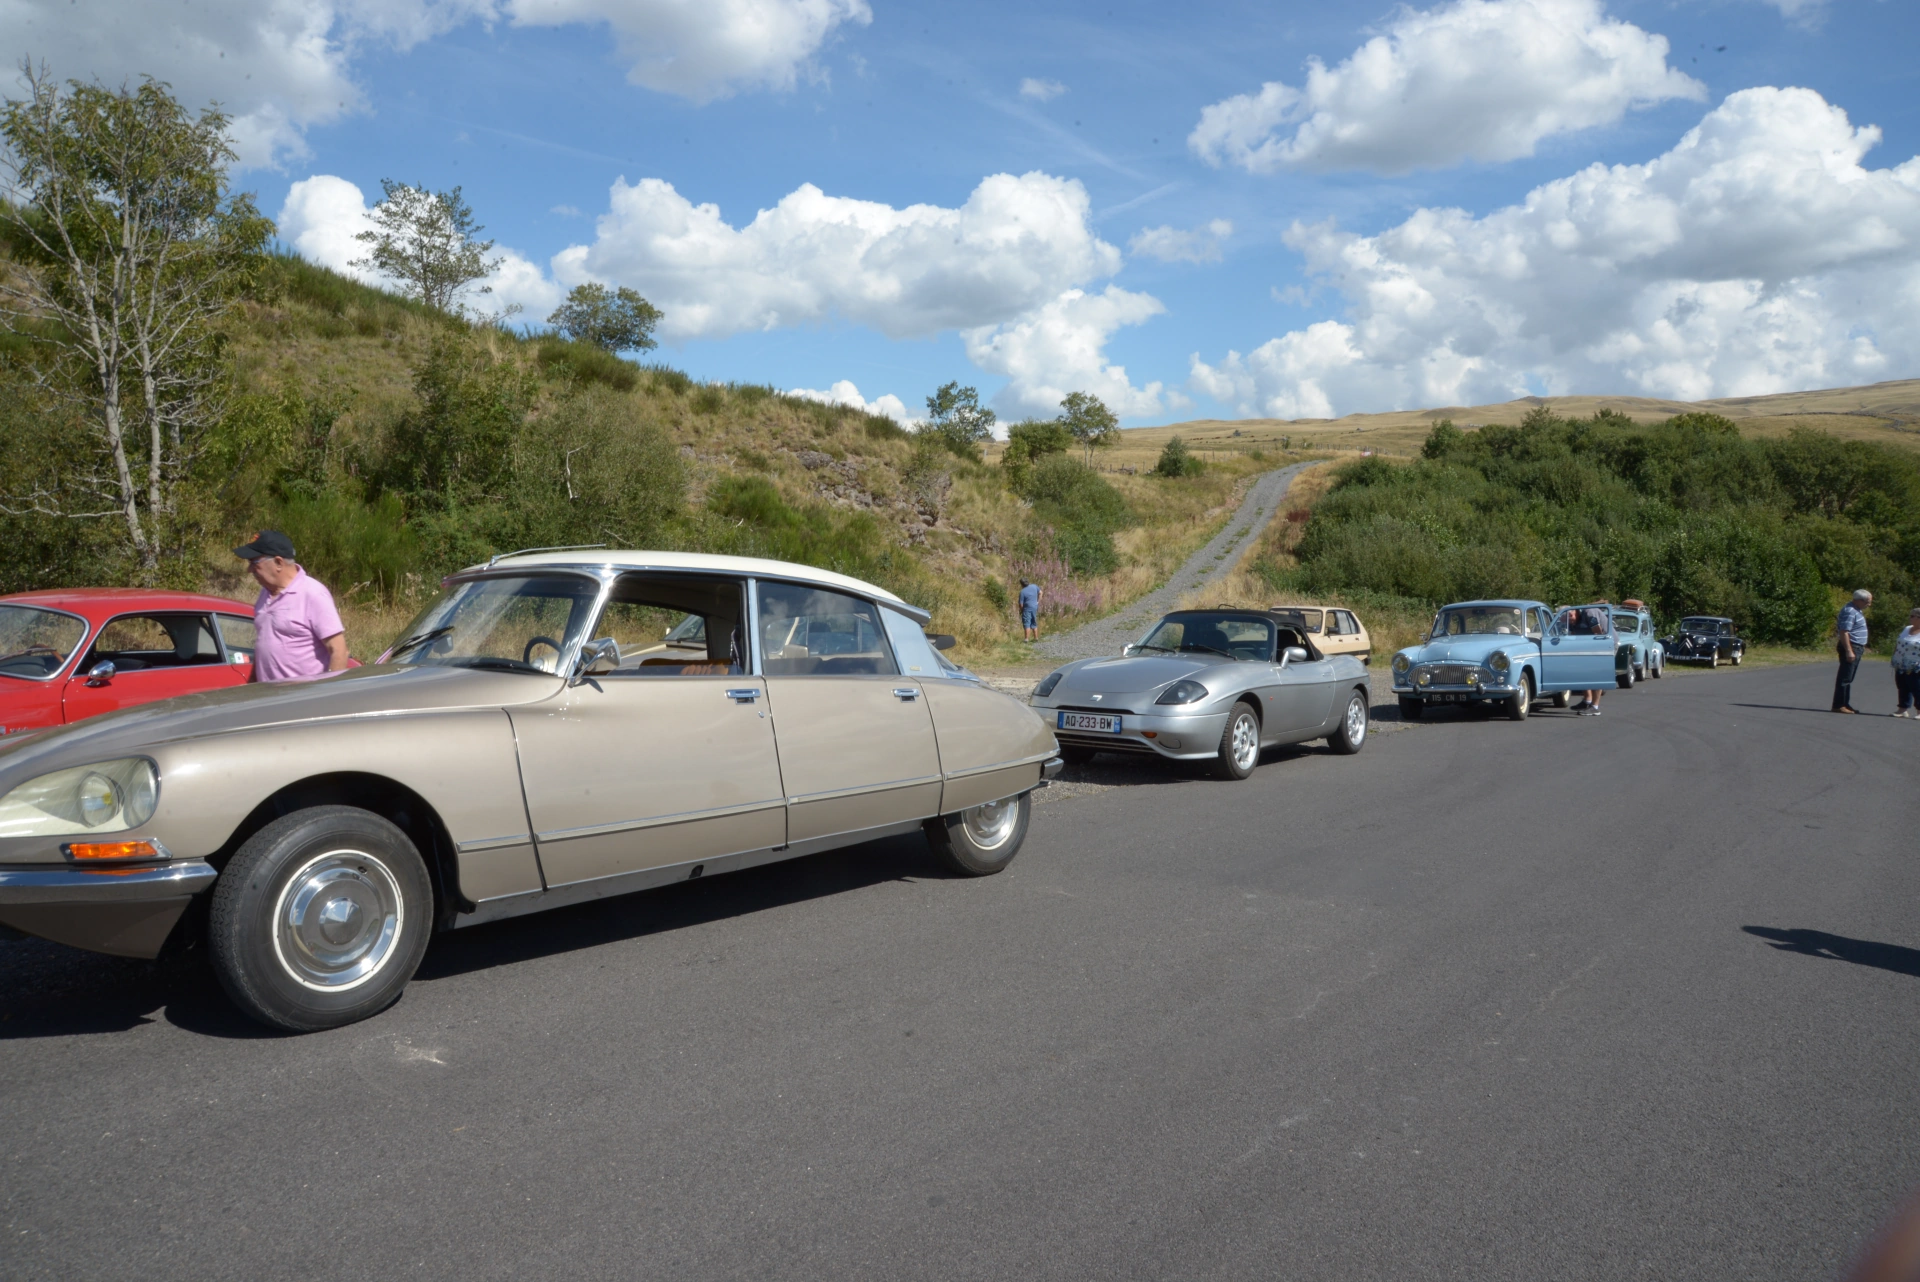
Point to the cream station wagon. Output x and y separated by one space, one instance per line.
557 727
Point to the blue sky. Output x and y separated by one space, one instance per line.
1418 222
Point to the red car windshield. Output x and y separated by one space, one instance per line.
34 643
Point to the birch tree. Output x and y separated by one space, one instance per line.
128 250
428 242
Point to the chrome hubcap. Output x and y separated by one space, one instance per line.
1246 742
991 826
338 920
1356 720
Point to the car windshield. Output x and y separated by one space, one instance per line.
513 623
1700 625
1626 624
1480 620
1234 636
36 643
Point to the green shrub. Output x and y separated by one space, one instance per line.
1175 461
585 362
351 545
709 399
671 382
1083 510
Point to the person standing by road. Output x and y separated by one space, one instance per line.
1592 623
1030 610
1852 627
1906 666
300 633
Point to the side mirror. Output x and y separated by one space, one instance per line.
102 673
1295 654
597 659
940 640
1131 647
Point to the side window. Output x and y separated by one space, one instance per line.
240 635
1337 623
814 632
910 645
142 642
669 626
1536 623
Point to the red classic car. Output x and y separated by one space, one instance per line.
66 655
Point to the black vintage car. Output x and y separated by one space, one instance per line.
1705 638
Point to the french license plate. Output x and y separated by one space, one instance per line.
1451 698
1098 722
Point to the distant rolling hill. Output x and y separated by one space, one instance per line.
1886 412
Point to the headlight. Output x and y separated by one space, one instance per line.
1047 683
1499 662
1401 663
108 797
1183 692
1425 678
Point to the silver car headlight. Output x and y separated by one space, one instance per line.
1047 684
108 797
1183 692
1402 664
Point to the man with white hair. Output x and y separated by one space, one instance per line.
1852 627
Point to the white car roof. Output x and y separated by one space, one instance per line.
758 567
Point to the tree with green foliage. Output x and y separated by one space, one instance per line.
954 417
1028 442
1084 511
130 250
1176 460
428 242
1089 421
1441 440
617 321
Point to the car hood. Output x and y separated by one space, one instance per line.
1134 674
382 691
1464 649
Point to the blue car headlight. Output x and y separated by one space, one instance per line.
1183 692
1500 662
1401 665
1047 683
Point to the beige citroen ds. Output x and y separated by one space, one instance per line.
558 726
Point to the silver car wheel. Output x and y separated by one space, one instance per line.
1246 742
991 826
1356 720
337 920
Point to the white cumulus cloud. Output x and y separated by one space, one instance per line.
281 67
1172 245
324 213
1016 243
1475 79
845 393
1041 90
1758 255
705 49
1059 347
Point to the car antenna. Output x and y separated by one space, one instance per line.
571 547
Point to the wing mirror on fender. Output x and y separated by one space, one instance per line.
597 659
940 640
102 673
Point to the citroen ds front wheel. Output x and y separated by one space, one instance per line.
320 919
983 840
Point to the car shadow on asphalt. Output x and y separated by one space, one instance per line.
51 990
1861 952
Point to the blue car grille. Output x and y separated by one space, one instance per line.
1449 674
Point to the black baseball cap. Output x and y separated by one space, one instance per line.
266 543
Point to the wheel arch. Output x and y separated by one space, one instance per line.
393 801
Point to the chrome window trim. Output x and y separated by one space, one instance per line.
87 634
606 599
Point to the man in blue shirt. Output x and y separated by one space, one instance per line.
1852 627
1030 609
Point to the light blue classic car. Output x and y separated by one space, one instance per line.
1641 655
1506 654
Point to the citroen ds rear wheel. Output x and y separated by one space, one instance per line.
1352 734
1239 743
983 840
320 919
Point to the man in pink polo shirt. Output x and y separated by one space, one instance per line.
300 632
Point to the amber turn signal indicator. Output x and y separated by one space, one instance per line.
96 851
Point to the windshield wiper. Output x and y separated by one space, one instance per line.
421 639
497 661
1161 648
1210 650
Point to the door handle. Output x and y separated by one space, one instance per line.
747 695
906 694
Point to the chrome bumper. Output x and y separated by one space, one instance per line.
127 913
1051 770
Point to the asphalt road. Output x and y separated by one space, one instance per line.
1624 997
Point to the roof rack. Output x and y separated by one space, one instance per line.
571 547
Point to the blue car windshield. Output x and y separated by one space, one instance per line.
1480 620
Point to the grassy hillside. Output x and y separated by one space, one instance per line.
395 444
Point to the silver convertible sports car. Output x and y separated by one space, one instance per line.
1208 685
555 728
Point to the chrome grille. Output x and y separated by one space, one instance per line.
1449 674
